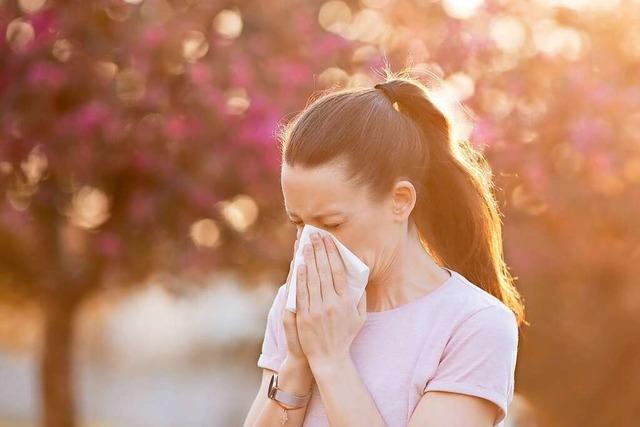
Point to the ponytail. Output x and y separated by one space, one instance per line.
456 213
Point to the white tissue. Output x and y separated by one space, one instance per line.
357 271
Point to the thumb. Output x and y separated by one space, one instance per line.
362 304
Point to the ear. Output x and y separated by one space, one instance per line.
403 199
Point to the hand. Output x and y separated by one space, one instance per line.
328 317
289 320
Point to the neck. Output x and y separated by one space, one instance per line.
406 274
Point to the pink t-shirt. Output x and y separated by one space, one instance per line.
457 338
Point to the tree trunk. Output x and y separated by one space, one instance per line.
56 365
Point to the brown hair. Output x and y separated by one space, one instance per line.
394 131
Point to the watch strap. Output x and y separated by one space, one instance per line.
292 400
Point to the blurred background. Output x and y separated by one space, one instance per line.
142 232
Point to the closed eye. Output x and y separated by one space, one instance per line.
330 226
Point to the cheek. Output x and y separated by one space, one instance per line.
361 242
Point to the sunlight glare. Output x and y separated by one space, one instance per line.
237 101
19 34
508 33
228 23
241 212
205 232
194 46
555 40
333 76
89 208
461 9
335 16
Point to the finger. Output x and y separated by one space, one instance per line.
324 271
313 281
338 270
302 295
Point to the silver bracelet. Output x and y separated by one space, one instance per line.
293 401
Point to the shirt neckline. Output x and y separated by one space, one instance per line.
376 316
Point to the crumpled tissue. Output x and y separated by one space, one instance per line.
357 271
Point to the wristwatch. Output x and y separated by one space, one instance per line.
292 401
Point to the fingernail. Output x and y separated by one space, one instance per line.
315 237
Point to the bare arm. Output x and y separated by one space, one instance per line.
346 399
441 408
295 377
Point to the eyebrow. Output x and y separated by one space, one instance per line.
317 216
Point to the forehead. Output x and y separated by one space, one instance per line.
317 190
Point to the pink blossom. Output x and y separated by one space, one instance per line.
586 132
602 162
293 73
329 44
89 116
142 207
201 74
109 244
241 71
200 197
153 36
45 26
176 127
46 75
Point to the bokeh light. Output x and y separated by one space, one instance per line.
89 207
241 212
228 23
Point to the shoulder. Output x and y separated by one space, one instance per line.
473 306
468 310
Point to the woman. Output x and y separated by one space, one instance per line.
433 340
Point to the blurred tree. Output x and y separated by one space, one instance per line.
136 137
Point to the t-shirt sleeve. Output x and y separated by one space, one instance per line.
480 358
274 349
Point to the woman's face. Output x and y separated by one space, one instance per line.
320 196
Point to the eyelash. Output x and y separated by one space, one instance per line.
332 226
